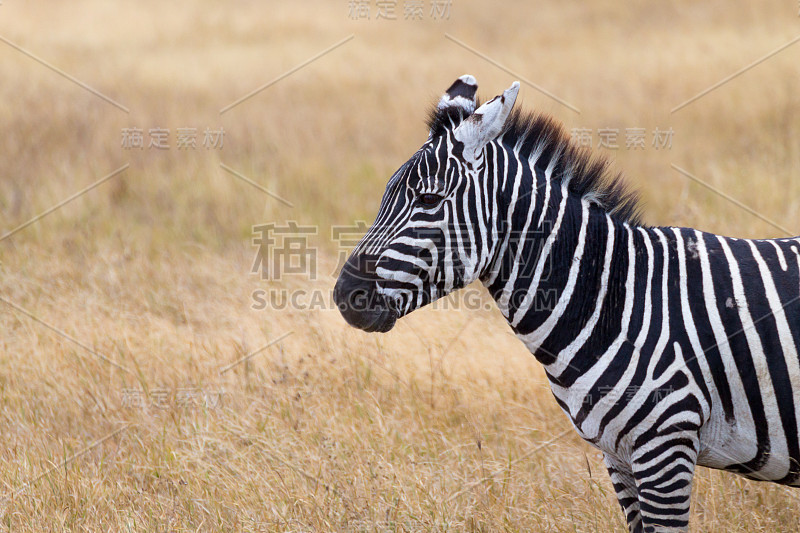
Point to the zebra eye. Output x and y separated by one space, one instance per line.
429 200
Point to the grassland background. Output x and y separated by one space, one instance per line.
445 423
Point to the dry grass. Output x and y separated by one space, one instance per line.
445 423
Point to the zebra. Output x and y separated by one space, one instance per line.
666 347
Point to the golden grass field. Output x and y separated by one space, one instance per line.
141 287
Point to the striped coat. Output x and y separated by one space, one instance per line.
666 347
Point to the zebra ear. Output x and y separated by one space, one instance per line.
485 124
461 94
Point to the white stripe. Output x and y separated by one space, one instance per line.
691 329
538 335
784 332
544 254
779 252
548 173
584 383
512 203
777 461
508 289
565 356
741 450
636 396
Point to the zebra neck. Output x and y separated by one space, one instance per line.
563 284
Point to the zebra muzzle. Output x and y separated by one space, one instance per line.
361 305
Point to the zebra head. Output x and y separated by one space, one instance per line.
433 233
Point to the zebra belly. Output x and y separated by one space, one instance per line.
736 445
724 444
732 449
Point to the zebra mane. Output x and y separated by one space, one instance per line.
542 138
444 118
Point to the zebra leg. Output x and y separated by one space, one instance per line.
663 469
627 493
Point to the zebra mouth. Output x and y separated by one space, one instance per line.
362 306
374 322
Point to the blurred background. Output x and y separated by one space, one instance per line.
149 382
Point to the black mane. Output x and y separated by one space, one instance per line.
441 119
587 176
